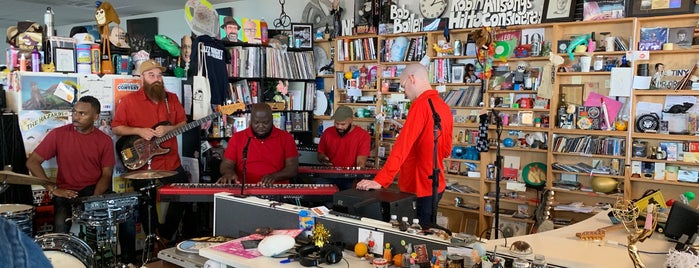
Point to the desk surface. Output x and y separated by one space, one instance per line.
262 261
562 247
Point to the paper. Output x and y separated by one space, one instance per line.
98 87
613 106
641 82
621 83
643 107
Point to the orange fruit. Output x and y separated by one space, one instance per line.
361 249
398 260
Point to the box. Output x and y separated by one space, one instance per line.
688 175
659 172
671 173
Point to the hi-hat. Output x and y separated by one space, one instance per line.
149 174
16 178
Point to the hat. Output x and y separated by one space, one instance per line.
229 20
150 65
343 113
84 38
118 37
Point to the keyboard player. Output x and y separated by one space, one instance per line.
343 145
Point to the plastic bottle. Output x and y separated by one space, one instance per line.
22 63
48 21
404 224
263 31
488 207
415 227
394 222
591 43
36 61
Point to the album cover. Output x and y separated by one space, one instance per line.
652 38
681 36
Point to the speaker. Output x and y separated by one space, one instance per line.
311 256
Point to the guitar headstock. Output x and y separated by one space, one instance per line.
232 108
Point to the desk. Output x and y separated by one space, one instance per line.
562 247
262 261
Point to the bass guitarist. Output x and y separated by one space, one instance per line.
150 113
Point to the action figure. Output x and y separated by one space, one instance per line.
337 17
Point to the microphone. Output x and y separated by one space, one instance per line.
245 159
435 115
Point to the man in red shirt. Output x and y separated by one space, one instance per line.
138 113
344 145
272 156
412 152
85 158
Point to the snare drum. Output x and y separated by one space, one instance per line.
20 214
64 250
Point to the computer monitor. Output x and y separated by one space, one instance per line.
683 219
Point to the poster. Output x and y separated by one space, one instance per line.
34 126
123 86
38 90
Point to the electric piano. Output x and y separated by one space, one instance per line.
204 192
338 172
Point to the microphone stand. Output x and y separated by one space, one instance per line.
245 166
498 170
435 165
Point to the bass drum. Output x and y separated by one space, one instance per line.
64 250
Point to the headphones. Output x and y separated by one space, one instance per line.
310 255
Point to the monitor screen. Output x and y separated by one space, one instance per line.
683 219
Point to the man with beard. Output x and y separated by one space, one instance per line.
138 113
412 152
267 154
85 158
344 145
231 27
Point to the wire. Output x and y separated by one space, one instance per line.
344 259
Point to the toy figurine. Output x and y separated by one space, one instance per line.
337 17
520 74
471 76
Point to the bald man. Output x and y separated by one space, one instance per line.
412 152
272 156
250 32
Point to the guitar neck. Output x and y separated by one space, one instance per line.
186 127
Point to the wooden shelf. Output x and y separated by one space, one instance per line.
397 62
521 128
516 148
491 91
670 162
462 160
460 177
664 92
590 132
656 136
522 109
588 194
590 155
582 73
673 183
556 171
350 62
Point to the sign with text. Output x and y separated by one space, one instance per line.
478 13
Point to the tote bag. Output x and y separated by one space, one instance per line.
201 90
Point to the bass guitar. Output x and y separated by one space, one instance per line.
135 152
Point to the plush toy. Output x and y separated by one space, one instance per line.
486 50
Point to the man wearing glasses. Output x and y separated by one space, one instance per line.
250 32
412 152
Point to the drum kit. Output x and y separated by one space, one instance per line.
99 213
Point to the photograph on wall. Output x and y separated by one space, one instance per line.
603 10
560 10
681 36
251 31
39 92
230 29
302 34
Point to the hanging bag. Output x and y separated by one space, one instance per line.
201 90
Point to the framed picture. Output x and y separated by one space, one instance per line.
457 73
558 10
573 92
302 34
657 8
64 59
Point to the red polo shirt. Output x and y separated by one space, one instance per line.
265 156
136 110
343 151
412 152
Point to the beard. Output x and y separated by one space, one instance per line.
342 133
155 91
262 136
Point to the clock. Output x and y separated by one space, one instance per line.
431 9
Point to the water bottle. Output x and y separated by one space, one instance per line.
36 61
48 21
539 261
488 207
415 227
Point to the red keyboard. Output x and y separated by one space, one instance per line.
203 192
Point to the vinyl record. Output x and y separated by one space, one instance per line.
502 49
321 103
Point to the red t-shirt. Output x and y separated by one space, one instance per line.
80 157
265 156
412 152
343 151
136 110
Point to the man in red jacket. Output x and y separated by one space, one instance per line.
412 152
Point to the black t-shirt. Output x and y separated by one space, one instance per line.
216 59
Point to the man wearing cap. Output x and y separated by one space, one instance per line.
344 144
231 27
412 152
266 153
138 113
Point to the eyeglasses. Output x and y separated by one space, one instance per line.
249 30
153 75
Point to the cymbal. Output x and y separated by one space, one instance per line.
148 174
16 178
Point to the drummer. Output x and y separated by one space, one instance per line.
85 158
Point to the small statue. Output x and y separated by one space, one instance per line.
628 213
337 17
520 73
